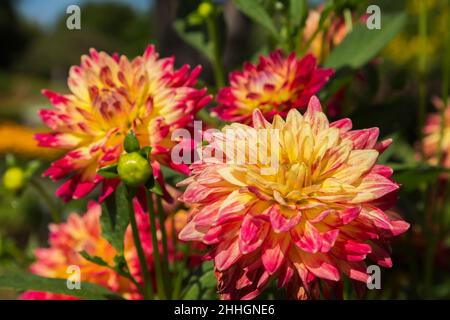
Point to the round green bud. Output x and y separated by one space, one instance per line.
205 9
279 6
133 169
14 178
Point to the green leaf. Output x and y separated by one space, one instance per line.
171 176
122 216
94 259
114 227
131 143
156 189
21 281
416 177
145 152
297 11
108 230
362 44
108 172
399 150
31 168
120 264
255 11
202 285
195 39
194 19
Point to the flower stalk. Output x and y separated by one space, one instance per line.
147 288
213 34
161 288
165 256
53 209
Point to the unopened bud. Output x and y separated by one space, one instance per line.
205 9
13 179
133 169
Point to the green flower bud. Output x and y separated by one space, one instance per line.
134 169
205 9
14 178
131 143
279 6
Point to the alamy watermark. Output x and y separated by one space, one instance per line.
373 17
234 146
374 280
73 21
74 277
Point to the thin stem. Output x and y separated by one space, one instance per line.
435 228
213 35
55 213
174 235
161 290
290 40
165 260
429 263
422 68
180 272
147 290
445 88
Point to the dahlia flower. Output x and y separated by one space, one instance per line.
314 217
84 233
109 96
433 140
275 85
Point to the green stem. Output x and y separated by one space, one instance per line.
422 68
180 272
435 229
213 35
290 40
165 260
430 254
174 235
445 87
147 291
348 20
161 290
55 213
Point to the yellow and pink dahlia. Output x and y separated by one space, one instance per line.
83 233
315 216
274 86
109 96
436 142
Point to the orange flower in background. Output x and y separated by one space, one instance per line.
19 140
80 233
434 140
109 96
274 86
317 215
324 41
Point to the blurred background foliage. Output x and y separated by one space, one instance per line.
391 89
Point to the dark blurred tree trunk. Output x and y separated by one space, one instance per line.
238 36
164 15
235 30
12 34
